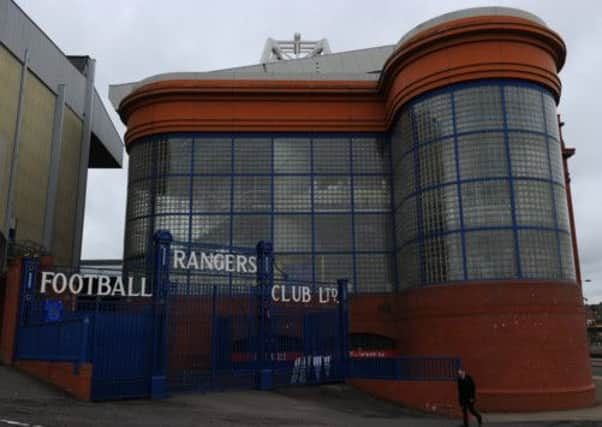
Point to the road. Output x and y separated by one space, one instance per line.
27 402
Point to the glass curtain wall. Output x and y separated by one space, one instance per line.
479 186
324 201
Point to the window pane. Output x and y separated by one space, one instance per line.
252 194
210 194
406 222
332 193
486 203
566 256
173 156
490 255
331 155
333 232
482 155
372 232
214 229
478 108
539 254
404 179
173 195
250 229
142 154
177 225
292 193
330 268
437 163
562 213
443 259
370 155
533 201
556 162
138 237
212 155
529 155
432 118
440 210
292 233
371 194
252 155
551 116
291 155
408 268
524 108
294 267
139 199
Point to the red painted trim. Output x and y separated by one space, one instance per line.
475 48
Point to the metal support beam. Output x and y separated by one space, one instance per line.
53 175
9 222
84 159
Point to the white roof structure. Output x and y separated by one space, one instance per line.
295 61
282 50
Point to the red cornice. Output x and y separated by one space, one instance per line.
484 47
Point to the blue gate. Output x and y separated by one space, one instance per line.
243 323
113 334
229 329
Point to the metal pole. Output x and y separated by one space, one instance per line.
214 341
162 240
344 326
12 177
55 158
26 297
265 281
84 158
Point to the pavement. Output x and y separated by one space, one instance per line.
27 402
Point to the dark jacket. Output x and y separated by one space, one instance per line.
466 389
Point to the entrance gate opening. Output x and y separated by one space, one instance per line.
255 327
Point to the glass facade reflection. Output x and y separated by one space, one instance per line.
324 201
468 185
479 186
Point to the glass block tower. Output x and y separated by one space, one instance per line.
431 173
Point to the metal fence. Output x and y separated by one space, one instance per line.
181 328
112 333
405 368
244 329
65 341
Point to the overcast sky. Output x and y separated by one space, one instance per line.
134 39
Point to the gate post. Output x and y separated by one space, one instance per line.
25 297
265 281
28 288
344 325
161 241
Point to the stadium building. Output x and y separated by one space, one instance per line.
376 216
432 173
53 128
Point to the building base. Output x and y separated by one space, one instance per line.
524 342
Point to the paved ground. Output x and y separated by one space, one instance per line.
27 402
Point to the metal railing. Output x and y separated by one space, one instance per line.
411 368
64 341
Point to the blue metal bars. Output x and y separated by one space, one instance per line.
161 240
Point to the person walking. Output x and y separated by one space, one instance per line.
467 392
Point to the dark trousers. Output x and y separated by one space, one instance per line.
469 406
